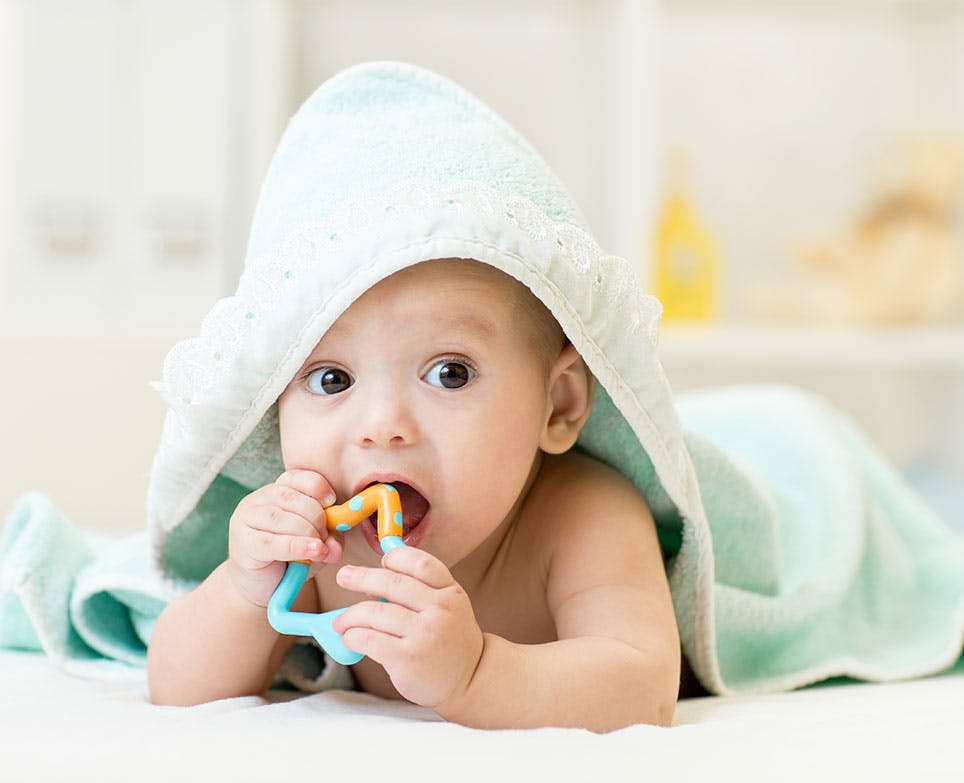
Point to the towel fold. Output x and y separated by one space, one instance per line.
826 563
88 601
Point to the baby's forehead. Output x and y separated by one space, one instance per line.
458 294
476 276
461 282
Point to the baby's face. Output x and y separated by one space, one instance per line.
431 382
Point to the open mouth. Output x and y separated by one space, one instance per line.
414 508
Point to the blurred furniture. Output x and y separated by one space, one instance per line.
903 385
136 134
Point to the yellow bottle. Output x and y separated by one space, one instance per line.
686 265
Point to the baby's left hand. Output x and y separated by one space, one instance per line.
425 636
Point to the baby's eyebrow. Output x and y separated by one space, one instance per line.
476 323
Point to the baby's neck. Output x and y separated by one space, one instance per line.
472 571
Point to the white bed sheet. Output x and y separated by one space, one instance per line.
60 728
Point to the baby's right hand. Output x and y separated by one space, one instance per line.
278 523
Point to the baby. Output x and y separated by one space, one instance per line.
532 591
423 305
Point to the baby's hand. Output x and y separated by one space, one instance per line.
278 523
426 636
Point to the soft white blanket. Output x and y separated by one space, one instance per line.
62 728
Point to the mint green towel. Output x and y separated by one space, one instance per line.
86 600
826 563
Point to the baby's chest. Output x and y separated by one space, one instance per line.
515 610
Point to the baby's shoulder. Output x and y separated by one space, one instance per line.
573 489
592 528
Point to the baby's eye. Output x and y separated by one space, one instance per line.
329 380
449 375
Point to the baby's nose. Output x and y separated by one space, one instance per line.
387 421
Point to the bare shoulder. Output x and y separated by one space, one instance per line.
577 492
599 531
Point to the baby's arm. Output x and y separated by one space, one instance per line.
617 658
617 661
215 642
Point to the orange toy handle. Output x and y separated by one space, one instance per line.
380 498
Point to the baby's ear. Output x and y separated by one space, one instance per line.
570 396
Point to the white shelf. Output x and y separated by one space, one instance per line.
936 347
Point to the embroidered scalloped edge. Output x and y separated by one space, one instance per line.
189 372
187 367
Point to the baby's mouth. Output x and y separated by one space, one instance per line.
414 508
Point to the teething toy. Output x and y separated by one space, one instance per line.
380 498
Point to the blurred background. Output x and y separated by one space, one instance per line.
785 174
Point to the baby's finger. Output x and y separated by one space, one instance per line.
379 582
380 647
420 565
378 615
265 547
277 521
312 484
293 501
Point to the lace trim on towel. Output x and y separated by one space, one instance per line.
193 366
